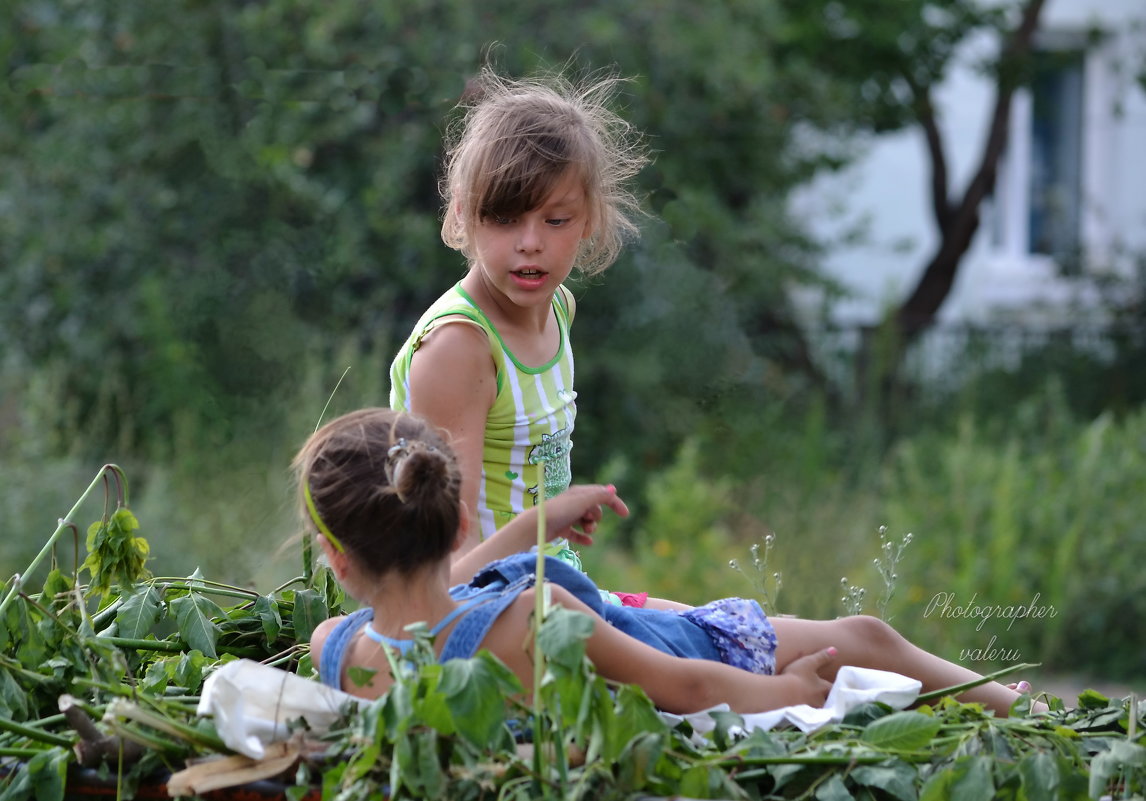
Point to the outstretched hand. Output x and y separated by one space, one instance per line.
575 513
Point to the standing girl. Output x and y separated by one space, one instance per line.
535 185
382 488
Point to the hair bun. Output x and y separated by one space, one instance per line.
416 471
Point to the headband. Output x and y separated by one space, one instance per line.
314 516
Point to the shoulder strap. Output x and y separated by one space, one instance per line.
466 637
403 644
334 649
567 303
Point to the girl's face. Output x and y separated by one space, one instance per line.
525 258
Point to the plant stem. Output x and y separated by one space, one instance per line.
170 647
19 753
64 525
296 580
538 619
34 734
30 676
959 688
206 585
120 710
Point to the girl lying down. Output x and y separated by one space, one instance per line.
382 490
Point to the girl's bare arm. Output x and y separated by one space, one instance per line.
453 385
673 683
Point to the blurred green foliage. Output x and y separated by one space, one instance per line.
1044 513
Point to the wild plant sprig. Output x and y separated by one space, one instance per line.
885 564
767 587
853 596
890 554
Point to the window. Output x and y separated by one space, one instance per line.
1055 181
1043 214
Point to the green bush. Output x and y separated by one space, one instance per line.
1042 519
1047 517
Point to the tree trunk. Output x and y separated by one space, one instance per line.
956 220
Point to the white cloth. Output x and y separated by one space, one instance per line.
853 686
252 704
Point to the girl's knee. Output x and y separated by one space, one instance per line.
865 632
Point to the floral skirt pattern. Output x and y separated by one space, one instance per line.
741 632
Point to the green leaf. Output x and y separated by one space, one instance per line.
360 676
1092 699
726 722
309 610
115 553
833 789
563 635
189 670
901 731
193 614
635 714
431 710
140 611
56 584
638 762
1040 777
267 611
864 714
897 779
18 785
159 673
694 782
969 779
475 691
13 699
416 765
433 779
48 772
1106 766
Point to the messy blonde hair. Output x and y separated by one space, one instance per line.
519 138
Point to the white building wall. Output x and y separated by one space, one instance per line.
889 186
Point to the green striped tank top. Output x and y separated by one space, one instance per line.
529 428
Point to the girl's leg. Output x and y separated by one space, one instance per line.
866 641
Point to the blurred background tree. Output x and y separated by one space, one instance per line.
209 210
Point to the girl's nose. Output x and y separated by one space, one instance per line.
529 237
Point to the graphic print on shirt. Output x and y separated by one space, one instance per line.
552 453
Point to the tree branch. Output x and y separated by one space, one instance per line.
1017 48
925 114
918 312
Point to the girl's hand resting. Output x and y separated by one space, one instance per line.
574 513
810 688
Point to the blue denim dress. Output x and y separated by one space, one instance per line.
732 630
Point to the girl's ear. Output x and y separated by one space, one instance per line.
334 557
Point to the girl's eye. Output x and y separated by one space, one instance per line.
557 221
502 220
